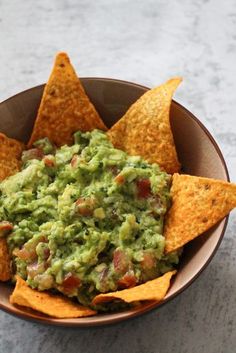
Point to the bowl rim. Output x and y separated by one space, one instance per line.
146 308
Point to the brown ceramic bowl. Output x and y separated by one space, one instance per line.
198 153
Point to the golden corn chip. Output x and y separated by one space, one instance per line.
197 204
65 107
5 269
145 129
52 305
155 289
10 155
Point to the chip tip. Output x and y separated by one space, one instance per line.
61 57
176 78
174 81
62 54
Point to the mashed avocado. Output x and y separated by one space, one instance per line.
86 218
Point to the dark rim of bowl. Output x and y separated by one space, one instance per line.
109 321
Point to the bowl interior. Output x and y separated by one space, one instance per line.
197 151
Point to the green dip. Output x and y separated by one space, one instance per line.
86 218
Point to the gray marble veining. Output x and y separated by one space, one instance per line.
145 42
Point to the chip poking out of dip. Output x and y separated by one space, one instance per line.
87 218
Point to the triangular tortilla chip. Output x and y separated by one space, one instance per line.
52 305
155 289
10 155
145 129
65 107
5 268
197 204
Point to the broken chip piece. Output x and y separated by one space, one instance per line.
5 268
47 303
65 107
10 154
155 289
197 204
145 129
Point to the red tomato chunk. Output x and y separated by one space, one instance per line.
49 162
119 179
128 280
70 282
85 207
144 188
120 261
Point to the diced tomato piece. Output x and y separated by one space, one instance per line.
70 282
25 254
49 162
86 212
34 153
144 188
43 239
28 252
120 261
85 207
46 253
74 160
120 179
5 228
149 261
128 280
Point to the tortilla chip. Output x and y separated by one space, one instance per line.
145 129
10 155
155 289
65 107
197 204
52 305
10 162
5 267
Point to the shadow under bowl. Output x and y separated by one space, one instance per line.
198 154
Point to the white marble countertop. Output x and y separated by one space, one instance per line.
145 42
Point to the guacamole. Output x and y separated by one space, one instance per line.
86 218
